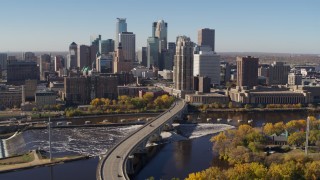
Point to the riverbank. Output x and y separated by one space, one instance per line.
31 160
261 110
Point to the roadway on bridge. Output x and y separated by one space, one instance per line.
112 167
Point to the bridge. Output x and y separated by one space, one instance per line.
118 162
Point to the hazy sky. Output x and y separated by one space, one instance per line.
291 26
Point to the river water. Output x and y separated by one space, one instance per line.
175 159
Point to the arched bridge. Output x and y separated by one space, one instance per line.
117 163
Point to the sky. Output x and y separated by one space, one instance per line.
279 26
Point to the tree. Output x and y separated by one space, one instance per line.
312 170
230 105
247 171
287 170
268 129
138 102
96 102
292 126
212 173
247 106
148 97
279 128
314 136
297 138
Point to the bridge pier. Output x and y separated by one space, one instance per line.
129 165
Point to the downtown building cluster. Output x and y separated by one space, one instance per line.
108 68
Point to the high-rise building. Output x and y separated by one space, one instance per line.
183 64
206 37
120 64
106 46
278 73
29 56
81 90
121 26
59 63
142 56
3 60
153 52
172 47
247 71
128 42
160 29
72 56
104 63
19 71
83 56
206 63
294 78
95 39
45 65
166 61
225 74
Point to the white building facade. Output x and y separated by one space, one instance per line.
206 63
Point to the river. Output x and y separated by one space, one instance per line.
175 159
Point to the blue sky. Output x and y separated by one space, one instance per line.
288 26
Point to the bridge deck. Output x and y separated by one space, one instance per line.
112 167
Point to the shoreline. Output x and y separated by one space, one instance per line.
260 110
37 162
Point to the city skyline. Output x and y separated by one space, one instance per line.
246 26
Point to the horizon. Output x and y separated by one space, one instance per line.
286 27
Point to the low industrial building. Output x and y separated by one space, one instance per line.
45 97
269 95
206 98
10 96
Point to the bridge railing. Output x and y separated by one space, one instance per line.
99 172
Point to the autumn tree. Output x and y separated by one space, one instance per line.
297 138
279 128
247 171
287 170
212 173
312 170
268 129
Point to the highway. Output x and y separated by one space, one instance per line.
113 165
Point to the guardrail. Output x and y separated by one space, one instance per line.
99 172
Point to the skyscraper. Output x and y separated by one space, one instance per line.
3 60
120 64
83 56
153 52
206 37
45 65
183 64
160 29
95 39
121 26
128 42
59 63
29 56
278 73
106 46
247 71
72 56
206 63
143 57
